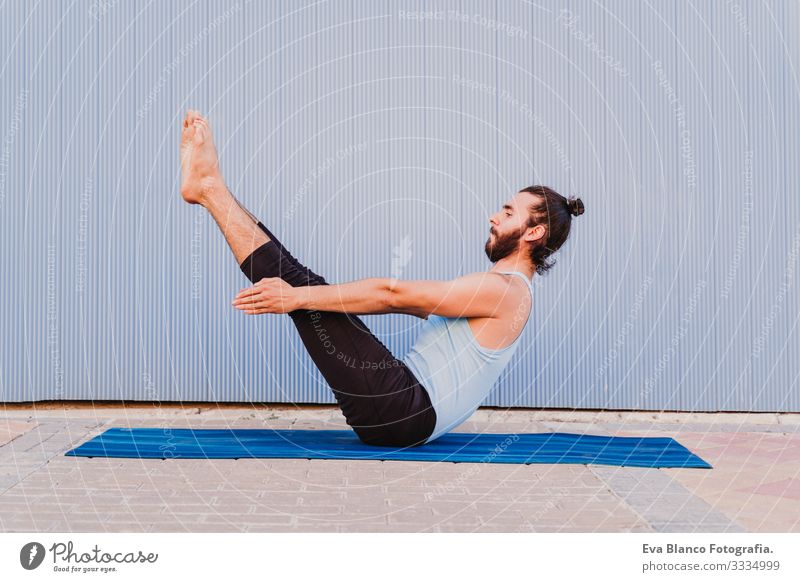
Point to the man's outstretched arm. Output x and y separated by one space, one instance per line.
474 295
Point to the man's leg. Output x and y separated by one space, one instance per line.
378 395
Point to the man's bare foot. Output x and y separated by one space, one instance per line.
199 161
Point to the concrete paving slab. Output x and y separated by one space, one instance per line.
754 484
11 429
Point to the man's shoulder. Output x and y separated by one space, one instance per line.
497 279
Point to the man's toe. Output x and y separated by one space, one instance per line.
199 135
191 114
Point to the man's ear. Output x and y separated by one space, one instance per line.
535 233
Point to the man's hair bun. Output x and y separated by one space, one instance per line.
575 206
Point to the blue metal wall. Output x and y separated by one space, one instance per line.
376 141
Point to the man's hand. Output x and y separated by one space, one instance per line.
270 295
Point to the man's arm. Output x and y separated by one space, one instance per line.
474 295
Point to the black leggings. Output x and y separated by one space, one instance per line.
381 399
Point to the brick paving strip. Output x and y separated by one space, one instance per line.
31 449
42 490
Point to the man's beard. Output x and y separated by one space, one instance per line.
503 245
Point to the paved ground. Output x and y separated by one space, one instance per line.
753 487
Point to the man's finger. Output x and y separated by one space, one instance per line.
244 293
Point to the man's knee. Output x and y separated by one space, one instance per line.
260 263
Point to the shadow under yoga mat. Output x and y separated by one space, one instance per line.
457 447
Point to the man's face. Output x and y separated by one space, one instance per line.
506 227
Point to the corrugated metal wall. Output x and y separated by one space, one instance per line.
376 141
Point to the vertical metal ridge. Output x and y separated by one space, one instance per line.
375 141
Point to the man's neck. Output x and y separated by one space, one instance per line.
513 264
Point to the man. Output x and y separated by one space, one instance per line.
473 323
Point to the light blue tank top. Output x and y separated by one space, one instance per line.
456 370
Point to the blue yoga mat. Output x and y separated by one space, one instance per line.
457 447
